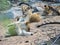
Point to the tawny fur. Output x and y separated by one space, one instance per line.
33 17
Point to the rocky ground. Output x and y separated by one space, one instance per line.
43 31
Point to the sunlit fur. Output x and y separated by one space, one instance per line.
34 18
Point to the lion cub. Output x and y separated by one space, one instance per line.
31 17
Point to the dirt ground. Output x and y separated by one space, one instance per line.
43 31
